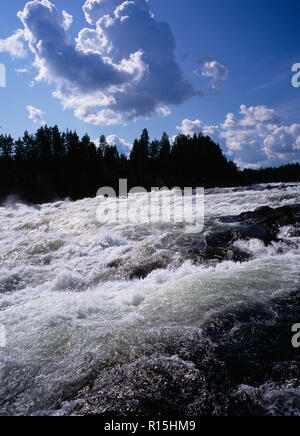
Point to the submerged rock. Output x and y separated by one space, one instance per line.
219 254
142 271
139 271
218 247
264 222
240 363
269 217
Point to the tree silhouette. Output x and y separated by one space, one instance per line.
51 164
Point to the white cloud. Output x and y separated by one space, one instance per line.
283 140
254 138
121 69
96 9
258 137
216 72
67 21
36 115
21 70
123 146
14 45
258 114
189 127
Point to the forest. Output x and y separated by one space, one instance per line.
50 165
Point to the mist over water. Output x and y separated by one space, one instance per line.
71 311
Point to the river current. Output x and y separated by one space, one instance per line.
73 318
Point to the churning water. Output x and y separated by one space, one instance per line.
72 313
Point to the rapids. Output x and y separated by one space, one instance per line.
69 316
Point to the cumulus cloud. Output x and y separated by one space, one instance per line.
120 69
96 9
254 138
283 140
36 115
14 45
123 146
189 127
216 72
257 137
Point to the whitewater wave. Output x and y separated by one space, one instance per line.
79 299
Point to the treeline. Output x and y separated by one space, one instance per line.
50 164
284 173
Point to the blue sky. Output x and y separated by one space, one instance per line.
229 74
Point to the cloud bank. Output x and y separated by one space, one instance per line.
254 138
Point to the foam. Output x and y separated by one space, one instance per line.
63 319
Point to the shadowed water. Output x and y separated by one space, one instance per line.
200 338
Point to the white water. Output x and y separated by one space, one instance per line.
67 314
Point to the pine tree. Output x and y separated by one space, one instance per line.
58 143
6 147
139 157
20 154
164 155
44 143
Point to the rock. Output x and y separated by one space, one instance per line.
266 216
115 263
295 232
219 247
219 254
220 239
123 268
142 271
240 350
264 223
150 386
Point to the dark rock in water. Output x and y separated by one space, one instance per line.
115 263
151 384
266 216
218 254
218 247
241 363
264 223
220 239
131 272
295 232
142 271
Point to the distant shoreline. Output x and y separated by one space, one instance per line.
50 165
